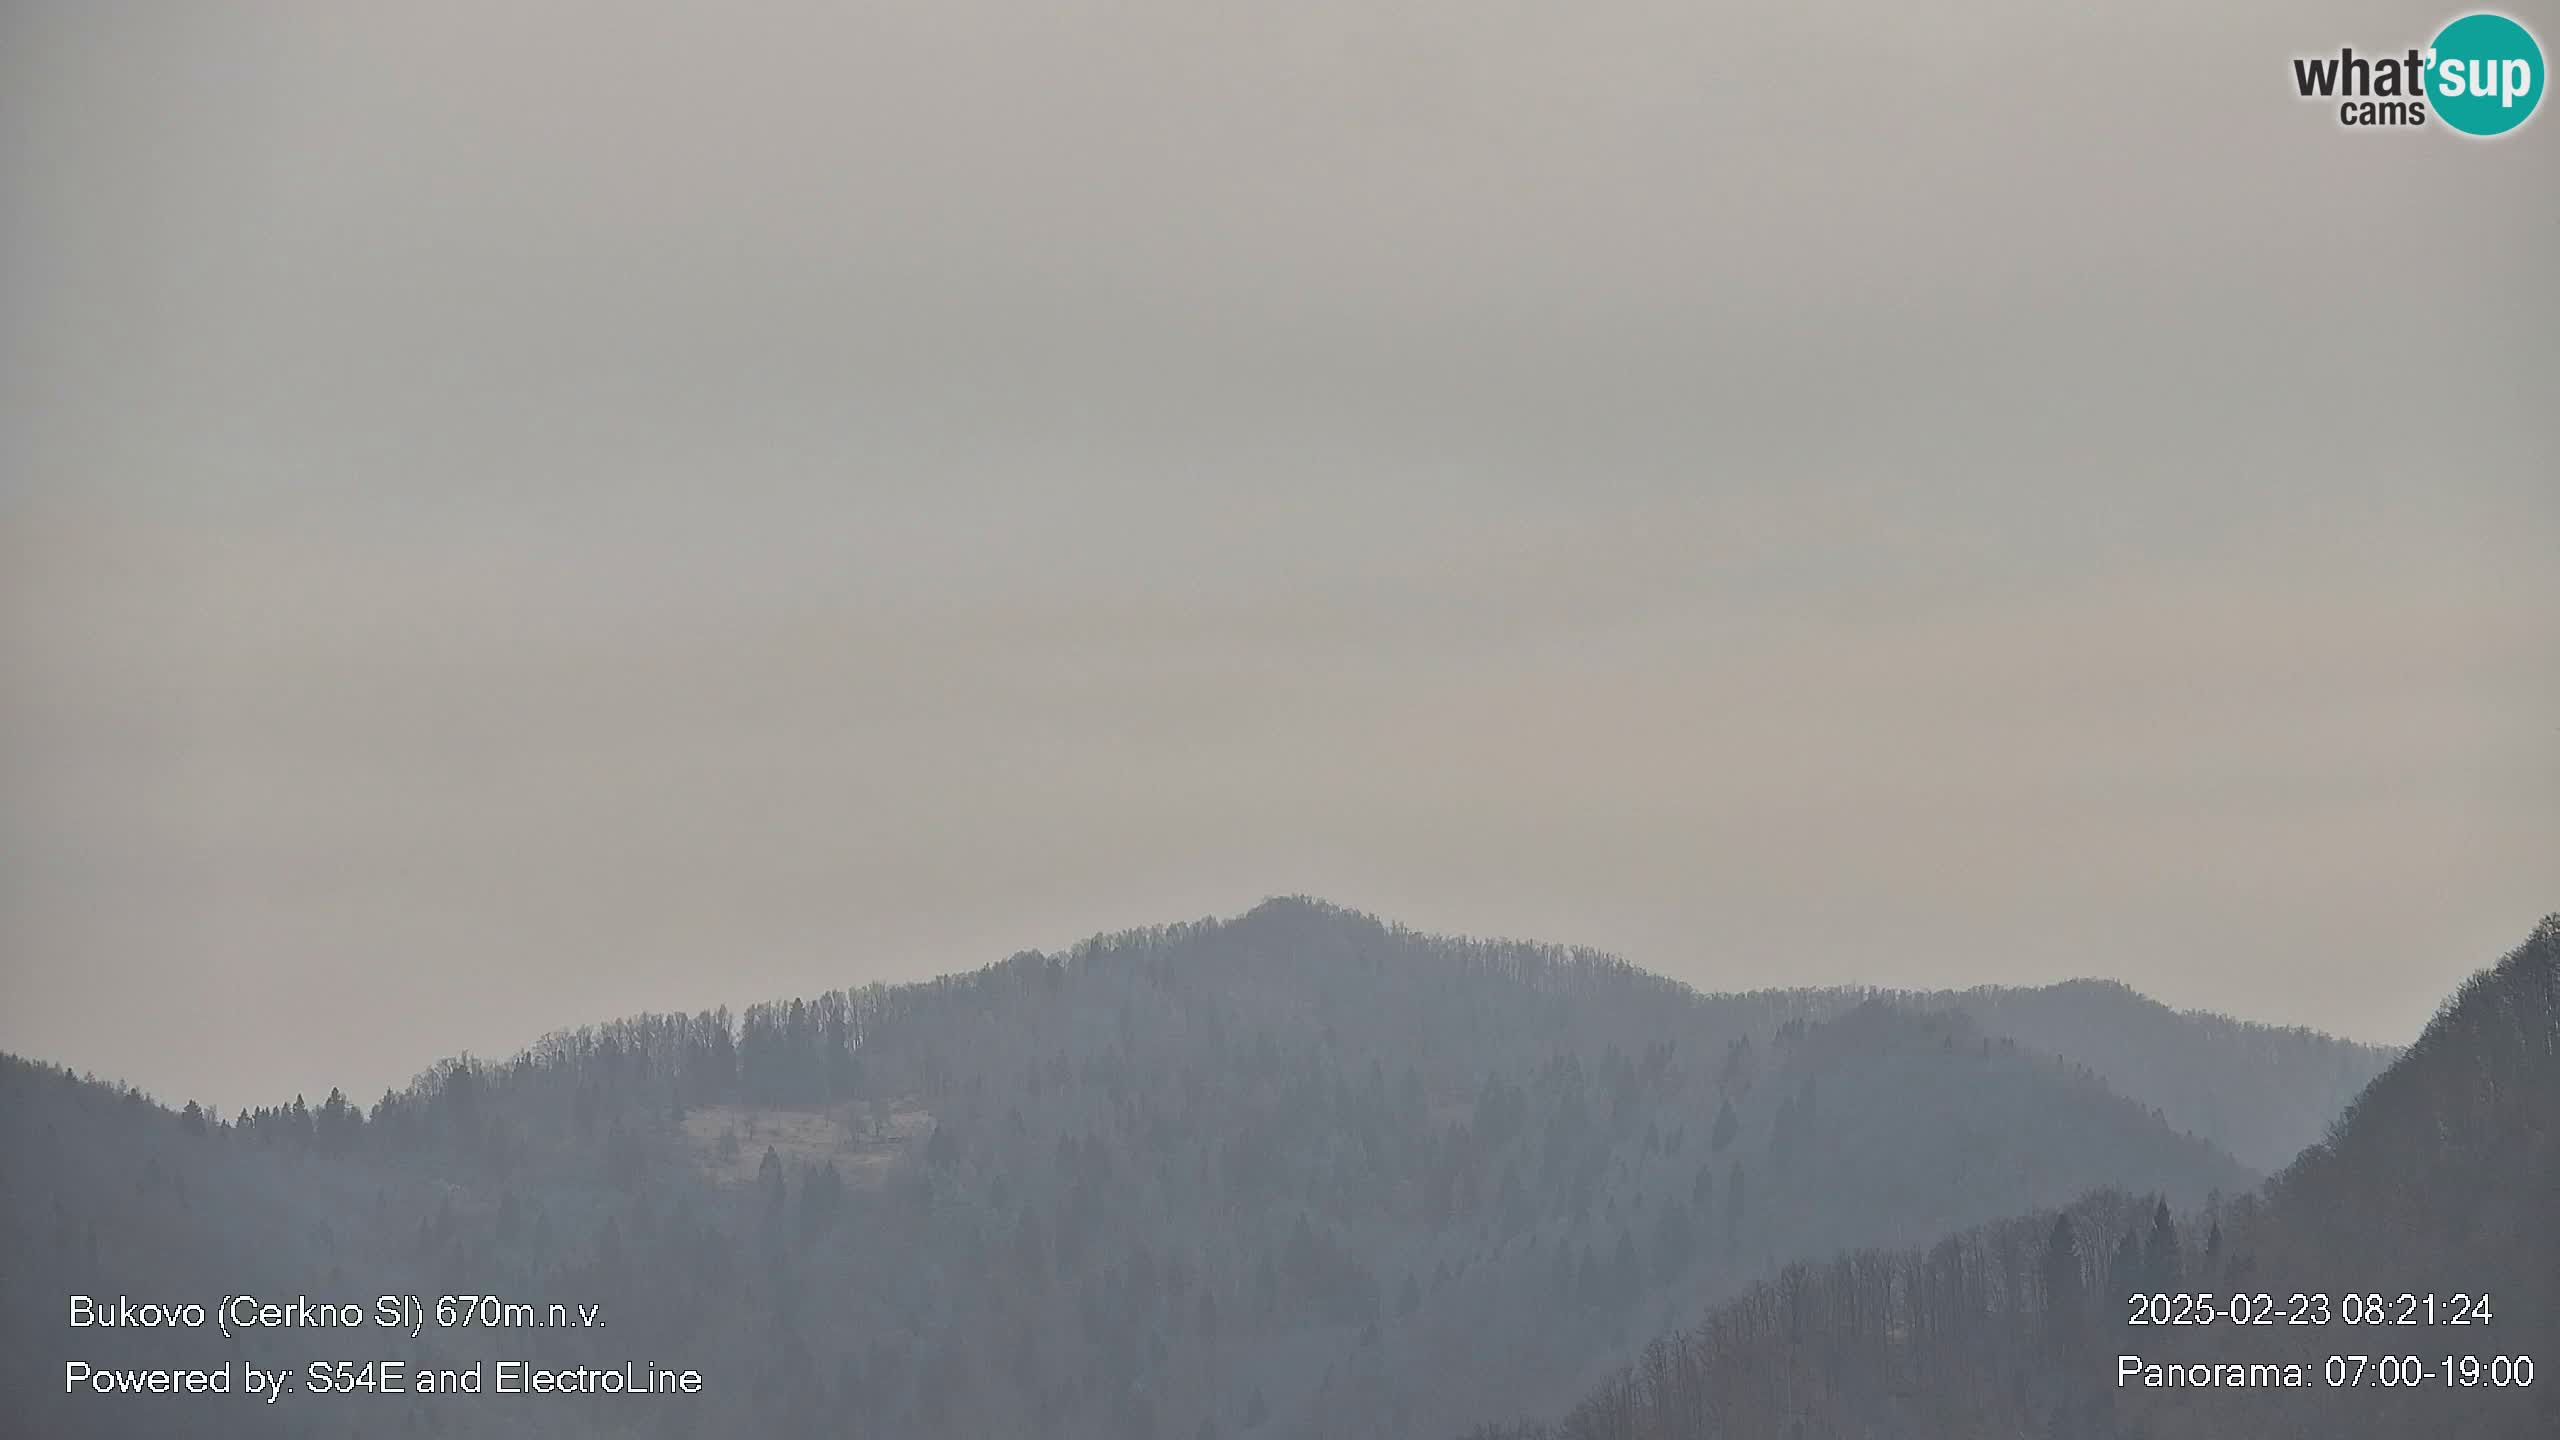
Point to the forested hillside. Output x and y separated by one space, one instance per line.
2262 1092
1295 1173
2419 1237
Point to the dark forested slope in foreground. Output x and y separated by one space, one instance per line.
2434 1201
1295 1173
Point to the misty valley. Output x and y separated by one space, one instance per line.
1304 1172
1334 720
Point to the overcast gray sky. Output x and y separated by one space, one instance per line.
517 514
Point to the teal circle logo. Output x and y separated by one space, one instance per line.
2484 74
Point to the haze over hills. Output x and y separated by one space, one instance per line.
2409 1262
1299 1172
2260 1091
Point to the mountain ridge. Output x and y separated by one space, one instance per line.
2428 1204
1242 1174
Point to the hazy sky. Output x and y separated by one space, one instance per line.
517 514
